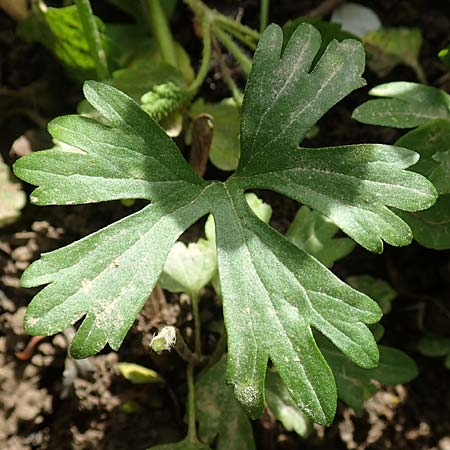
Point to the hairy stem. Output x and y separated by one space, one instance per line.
245 39
161 30
93 37
231 23
234 49
206 58
232 86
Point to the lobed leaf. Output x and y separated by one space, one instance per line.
432 227
406 105
274 293
353 186
284 99
130 158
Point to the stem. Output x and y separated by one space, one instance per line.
420 73
206 58
192 428
231 23
234 49
232 86
263 15
163 35
243 38
197 324
197 6
93 37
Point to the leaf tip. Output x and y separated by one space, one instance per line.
250 398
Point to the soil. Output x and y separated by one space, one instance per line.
49 401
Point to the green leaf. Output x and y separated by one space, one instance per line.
432 142
328 30
109 274
138 374
314 233
274 293
12 198
60 30
434 346
354 384
224 152
431 228
375 288
146 69
389 47
221 419
328 179
284 408
189 268
407 105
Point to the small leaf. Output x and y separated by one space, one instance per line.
314 233
434 346
60 30
284 408
356 18
389 47
12 198
220 416
189 268
138 374
432 142
224 152
376 289
431 228
407 105
354 384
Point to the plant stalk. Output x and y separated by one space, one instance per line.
197 324
231 23
245 39
161 30
206 58
93 37
234 49
192 425
263 15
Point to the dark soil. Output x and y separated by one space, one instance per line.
51 402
